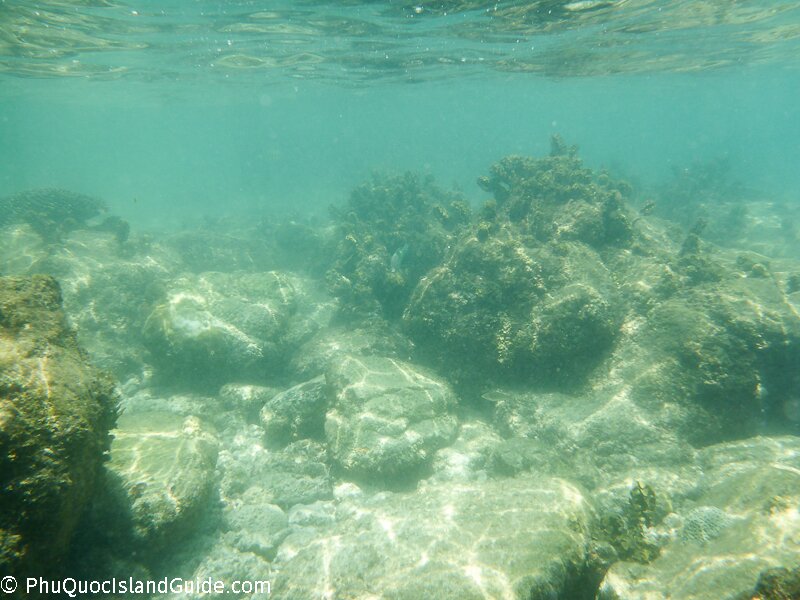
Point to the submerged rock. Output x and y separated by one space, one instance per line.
701 360
21 249
227 563
55 414
296 474
226 247
246 400
216 327
587 437
332 343
692 365
159 479
254 526
743 525
296 413
387 418
513 538
468 458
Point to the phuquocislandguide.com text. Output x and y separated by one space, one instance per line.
79 588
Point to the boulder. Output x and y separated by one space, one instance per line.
386 418
588 437
159 480
245 399
712 362
212 410
55 414
468 458
331 343
221 246
216 327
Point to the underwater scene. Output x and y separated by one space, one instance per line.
400 300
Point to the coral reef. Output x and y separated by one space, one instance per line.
392 230
53 212
528 292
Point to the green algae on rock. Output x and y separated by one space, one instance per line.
778 583
55 414
627 531
556 198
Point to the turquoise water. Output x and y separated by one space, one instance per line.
203 107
